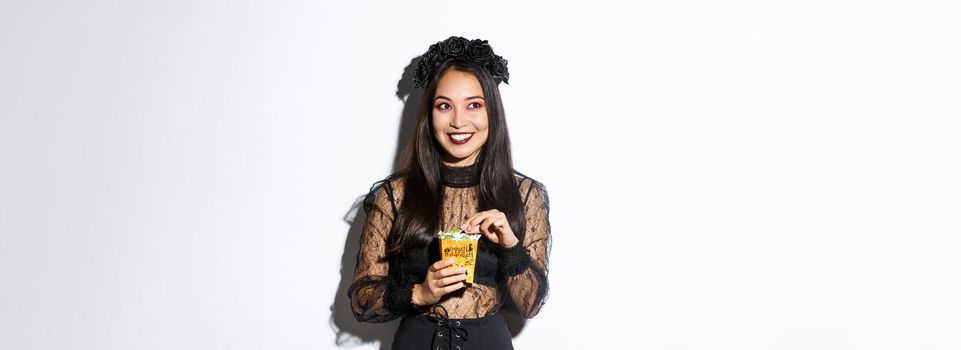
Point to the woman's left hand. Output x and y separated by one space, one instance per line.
492 224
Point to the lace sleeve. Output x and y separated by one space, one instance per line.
525 265
374 295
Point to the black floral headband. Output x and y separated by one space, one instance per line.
455 47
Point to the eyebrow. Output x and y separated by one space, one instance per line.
449 99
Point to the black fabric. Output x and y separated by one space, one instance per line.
512 279
438 332
398 296
460 177
513 260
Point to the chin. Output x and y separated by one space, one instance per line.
459 156
456 153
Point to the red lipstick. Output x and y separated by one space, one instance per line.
460 140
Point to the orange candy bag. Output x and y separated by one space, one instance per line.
462 247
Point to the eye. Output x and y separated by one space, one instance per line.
443 106
474 105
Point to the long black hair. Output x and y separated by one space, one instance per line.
418 218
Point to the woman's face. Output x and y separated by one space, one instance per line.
460 117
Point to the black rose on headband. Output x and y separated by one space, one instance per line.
479 51
422 74
455 47
433 54
498 68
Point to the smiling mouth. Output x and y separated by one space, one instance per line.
460 138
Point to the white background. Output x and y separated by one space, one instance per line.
778 175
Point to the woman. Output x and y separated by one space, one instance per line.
458 174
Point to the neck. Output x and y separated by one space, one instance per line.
462 162
460 175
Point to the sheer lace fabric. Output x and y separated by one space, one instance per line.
515 278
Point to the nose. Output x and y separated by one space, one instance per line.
457 121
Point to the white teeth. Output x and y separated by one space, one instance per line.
460 137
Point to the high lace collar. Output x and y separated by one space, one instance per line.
461 176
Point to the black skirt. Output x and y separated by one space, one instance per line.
437 332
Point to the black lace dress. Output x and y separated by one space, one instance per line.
512 279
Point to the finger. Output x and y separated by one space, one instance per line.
473 224
479 217
500 223
440 284
450 271
482 226
471 228
446 281
441 264
464 226
453 287
468 224
494 215
488 225
489 234
493 212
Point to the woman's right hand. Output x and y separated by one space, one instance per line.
442 278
